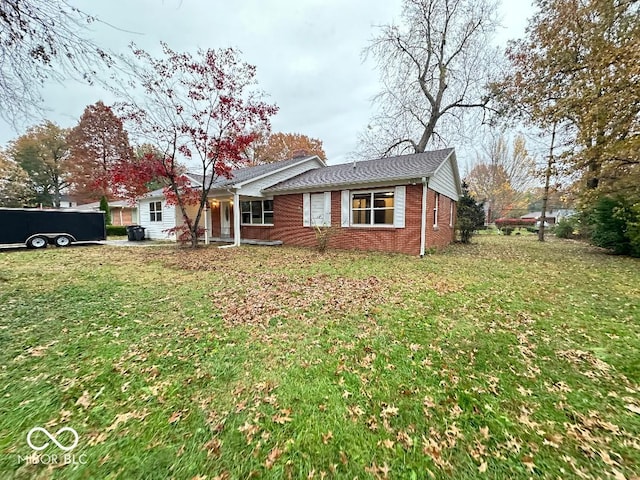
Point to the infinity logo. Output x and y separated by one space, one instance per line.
53 438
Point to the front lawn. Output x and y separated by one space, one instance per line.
504 359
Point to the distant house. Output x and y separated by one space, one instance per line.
398 204
552 216
122 212
67 201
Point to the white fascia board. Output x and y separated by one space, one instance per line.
273 172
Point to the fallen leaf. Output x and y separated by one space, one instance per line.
213 447
273 456
175 416
633 408
326 437
483 467
85 400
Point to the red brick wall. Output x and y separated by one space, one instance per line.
443 234
288 226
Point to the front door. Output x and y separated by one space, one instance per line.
225 220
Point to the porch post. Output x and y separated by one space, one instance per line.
236 218
206 223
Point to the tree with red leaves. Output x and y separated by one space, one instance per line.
98 145
200 110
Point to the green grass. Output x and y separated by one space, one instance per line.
503 359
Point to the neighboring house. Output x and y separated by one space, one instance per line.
122 212
67 202
552 216
398 204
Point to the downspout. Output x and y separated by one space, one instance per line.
423 217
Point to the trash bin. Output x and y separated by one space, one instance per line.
131 233
139 233
135 233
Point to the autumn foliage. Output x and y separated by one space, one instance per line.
197 110
275 147
99 146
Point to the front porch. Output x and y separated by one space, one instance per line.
229 218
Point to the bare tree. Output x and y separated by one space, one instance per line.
434 66
42 40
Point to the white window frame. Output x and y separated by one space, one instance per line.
155 211
250 202
435 210
372 208
450 213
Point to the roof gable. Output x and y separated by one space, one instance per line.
241 176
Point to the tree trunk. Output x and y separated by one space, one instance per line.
547 181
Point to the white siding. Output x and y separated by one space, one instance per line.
444 180
254 189
154 230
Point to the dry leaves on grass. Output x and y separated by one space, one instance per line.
261 298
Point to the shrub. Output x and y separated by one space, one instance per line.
116 230
507 230
615 226
323 234
470 215
515 222
104 206
564 228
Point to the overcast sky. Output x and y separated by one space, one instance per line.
307 53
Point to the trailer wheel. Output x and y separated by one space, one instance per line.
37 242
62 241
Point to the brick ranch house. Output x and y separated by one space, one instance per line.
399 204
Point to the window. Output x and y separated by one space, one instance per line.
372 208
257 212
451 213
155 211
435 210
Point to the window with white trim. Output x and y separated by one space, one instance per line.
435 210
450 213
155 212
372 208
257 212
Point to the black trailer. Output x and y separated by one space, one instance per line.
37 228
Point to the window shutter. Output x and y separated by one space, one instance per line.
399 206
327 208
306 210
345 208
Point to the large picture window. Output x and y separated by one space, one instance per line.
155 211
372 208
257 212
